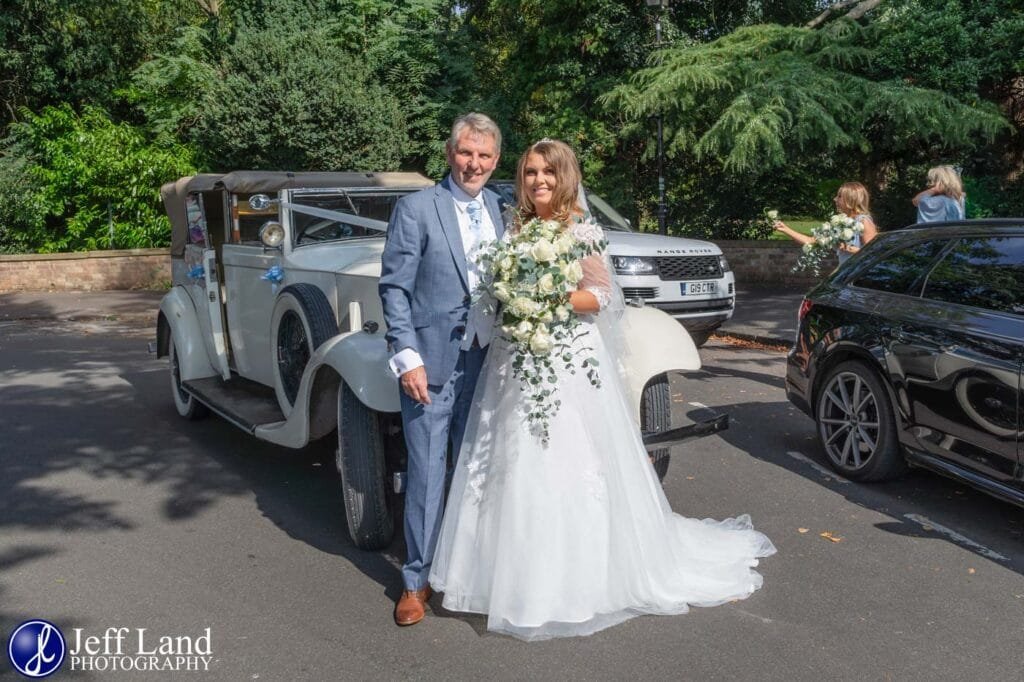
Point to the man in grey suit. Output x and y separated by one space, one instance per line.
436 333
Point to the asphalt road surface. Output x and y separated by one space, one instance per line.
116 513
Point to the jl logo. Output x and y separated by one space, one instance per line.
36 648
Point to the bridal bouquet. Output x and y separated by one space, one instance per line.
840 230
532 274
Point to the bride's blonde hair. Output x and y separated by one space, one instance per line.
565 197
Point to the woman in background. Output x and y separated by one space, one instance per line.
852 199
944 198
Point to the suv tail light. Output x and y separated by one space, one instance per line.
805 307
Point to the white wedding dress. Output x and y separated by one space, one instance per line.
576 536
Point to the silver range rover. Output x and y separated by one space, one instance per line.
687 278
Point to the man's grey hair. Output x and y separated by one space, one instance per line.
481 124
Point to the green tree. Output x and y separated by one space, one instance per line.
762 95
168 88
974 51
303 84
77 51
298 101
76 182
541 67
769 97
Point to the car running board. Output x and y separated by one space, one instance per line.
243 403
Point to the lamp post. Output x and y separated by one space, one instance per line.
662 209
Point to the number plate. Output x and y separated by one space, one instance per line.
697 288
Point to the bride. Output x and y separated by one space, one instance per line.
576 535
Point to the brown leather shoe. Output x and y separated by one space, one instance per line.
411 607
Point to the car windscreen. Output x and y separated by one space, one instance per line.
606 216
373 204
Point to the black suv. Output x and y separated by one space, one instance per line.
911 353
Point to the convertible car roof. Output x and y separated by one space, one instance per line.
174 194
254 182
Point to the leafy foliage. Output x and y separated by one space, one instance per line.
77 51
759 111
297 101
761 96
84 182
168 89
974 51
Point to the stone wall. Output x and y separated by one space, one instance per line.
756 264
769 263
87 271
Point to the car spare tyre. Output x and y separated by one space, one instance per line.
302 321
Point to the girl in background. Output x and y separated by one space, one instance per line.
852 199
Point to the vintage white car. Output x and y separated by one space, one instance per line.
274 323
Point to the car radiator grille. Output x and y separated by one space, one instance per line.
630 293
684 268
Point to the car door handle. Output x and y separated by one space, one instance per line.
897 334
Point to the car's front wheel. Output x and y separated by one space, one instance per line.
362 465
856 424
655 416
184 402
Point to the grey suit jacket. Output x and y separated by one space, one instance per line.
423 283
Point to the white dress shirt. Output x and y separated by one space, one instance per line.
481 320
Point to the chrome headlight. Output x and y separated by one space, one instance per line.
724 263
634 265
272 234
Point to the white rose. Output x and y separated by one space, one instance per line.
564 244
773 215
546 284
847 234
808 247
546 317
522 331
540 342
522 306
543 251
508 264
552 226
562 313
573 272
501 292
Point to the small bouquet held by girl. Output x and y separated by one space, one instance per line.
532 274
839 232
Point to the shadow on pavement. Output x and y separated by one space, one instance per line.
770 429
99 410
30 305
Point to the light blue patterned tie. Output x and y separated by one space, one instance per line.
474 210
